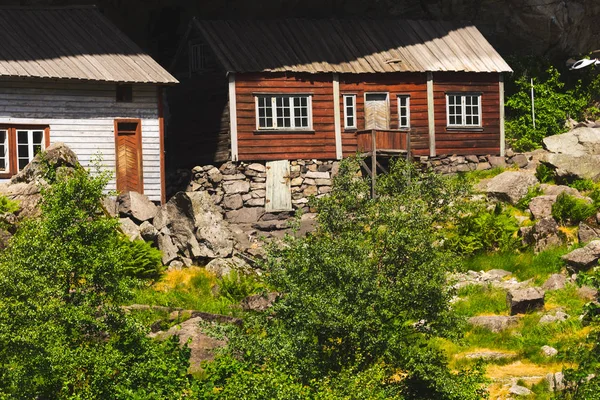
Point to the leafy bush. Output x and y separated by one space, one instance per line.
544 173
583 185
554 104
7 205
237 286
143 261
532 192
353 291
570 209
481 230
63 334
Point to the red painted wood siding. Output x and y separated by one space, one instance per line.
465 142
253 145
413 84
320 144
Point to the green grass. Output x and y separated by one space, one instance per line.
191 289
476 176
478 300
524 265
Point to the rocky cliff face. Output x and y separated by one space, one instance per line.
539 27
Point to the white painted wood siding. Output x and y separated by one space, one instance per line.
82 116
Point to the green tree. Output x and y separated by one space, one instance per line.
62 332
362 298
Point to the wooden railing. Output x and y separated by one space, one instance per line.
383 140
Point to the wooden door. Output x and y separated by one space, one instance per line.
279 192
129 156
377 111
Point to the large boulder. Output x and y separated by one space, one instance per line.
130 229
58 156
213 235
541 206
585 257
543 235
555 282
178 216
224 266
586 233
202 346
521 301
568 167
577 142
510 186
136 206
495 323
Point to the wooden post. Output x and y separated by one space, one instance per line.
337 116
373 163
431 114
502 132
233 117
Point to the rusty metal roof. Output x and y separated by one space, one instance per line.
349 46
71 43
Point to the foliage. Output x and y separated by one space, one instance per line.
143 260
544 173
62 332
237 286
554 104
583 185
362 297
192 289
570 209
482 230
477 175
533 191
583 381
7 205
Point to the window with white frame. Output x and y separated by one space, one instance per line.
282 111
29 143
18 146
404 111
4 153
463 110
349 111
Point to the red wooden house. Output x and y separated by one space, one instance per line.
305 89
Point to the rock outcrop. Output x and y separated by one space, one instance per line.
510 186
585 257
522 301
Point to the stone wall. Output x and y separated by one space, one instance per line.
239 189
452 164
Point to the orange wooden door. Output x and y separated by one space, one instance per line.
129 156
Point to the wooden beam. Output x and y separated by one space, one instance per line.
502 132
161 129
373 163
431 114
233 117
337 116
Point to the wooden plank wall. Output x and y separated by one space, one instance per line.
413 84
290 145
82 115
198 129
465 142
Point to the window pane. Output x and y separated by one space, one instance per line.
22 137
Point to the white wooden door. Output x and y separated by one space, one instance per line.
279 192
377 111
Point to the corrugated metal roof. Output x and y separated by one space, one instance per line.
349 46
71 43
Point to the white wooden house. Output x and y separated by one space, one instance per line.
67 74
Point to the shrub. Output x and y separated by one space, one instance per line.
7 205
569 209
63 334
353 291
482 230
143 261
583 185
544 173
554 104
237 286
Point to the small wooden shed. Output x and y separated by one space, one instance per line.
67 74
305 89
